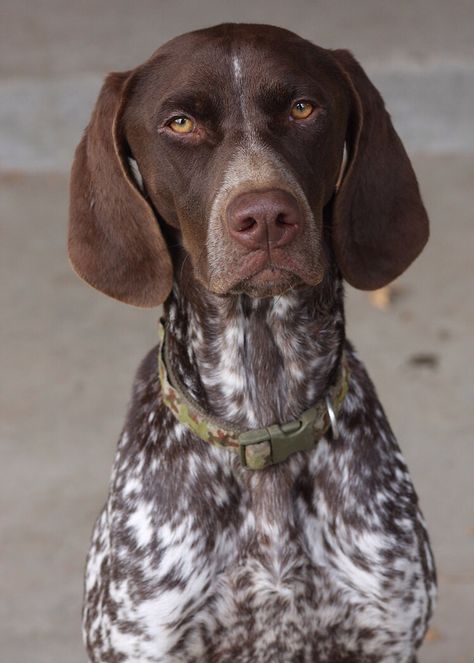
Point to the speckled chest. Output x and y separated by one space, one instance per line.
324 558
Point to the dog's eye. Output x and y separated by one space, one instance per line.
301 110
181 125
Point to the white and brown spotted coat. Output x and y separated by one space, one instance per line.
324 558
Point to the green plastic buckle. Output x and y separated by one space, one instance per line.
284 440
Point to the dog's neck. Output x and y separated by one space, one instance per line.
254 362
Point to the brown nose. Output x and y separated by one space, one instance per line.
263 219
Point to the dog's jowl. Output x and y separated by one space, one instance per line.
259 508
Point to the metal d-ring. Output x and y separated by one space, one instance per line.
332 418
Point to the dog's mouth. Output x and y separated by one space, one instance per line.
266 272
262 275
268 282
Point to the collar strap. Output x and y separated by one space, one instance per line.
261 447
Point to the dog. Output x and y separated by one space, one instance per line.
259 507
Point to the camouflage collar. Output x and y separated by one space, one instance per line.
261 447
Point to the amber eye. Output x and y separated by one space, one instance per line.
301 110
181 125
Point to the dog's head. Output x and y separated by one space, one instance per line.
238 134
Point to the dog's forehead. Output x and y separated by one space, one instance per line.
229 36
261 52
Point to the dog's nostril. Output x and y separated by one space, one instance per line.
246 224
283 220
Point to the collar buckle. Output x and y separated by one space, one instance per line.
273 444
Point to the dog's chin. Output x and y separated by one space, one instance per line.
269 282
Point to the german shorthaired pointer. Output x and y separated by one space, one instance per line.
260 509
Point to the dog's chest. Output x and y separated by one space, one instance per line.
211 564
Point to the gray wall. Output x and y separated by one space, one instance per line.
53 55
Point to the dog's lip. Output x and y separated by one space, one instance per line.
268 273
264 268
269 281
261 271
279 260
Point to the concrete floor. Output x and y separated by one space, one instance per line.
68 354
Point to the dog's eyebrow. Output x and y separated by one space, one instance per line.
195 103
276 96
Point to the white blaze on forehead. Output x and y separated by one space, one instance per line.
237 70
239 84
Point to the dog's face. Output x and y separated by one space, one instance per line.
238 134
239 140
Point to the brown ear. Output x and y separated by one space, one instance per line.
115 243
380 224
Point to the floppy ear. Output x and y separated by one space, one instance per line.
115 243
379 224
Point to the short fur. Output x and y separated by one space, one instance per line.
322 558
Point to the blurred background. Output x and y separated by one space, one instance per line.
68 354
